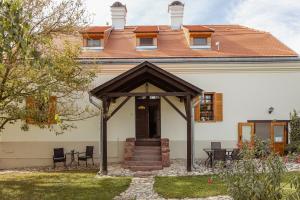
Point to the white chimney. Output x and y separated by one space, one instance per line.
118 15
175 10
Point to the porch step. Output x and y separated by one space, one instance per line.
147 143
146 158
145 168
143 163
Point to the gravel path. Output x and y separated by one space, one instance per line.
141 188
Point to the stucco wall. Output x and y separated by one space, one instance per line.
246 96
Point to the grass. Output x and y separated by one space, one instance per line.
198 187
62 185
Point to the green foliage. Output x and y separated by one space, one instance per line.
294 145
295 183
32 64
255 179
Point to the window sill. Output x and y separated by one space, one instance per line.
92 48
201 47
146 47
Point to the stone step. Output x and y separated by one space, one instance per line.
146 151
145 168
142 163
148 147
146 158
147 143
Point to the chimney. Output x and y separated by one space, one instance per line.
118 15
175 10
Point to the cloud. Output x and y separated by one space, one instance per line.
281 18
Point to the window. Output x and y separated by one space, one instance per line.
209 108
93 43
146 42
200 41
41 110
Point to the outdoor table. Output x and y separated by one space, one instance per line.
72 155
210 154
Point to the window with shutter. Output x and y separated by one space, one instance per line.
210 108
218 107
41 112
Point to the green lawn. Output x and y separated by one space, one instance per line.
61 185
197 186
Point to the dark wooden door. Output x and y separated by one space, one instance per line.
147 118
141 118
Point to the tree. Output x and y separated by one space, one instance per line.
295 127
33 69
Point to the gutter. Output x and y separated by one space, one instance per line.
101 129
277 59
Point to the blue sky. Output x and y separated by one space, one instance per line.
280 17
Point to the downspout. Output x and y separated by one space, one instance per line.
194 103
101 129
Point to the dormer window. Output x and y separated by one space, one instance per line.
198 37
93 43
94 37
146 37
200 41
146 41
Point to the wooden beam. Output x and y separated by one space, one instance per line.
104 137
129 94
173 106
189 134
118 108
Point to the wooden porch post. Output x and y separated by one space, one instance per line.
189 134
104 137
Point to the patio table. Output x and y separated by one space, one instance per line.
210 153
72 155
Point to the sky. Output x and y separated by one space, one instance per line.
279 17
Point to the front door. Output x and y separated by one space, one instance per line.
147 120
246 133
278 136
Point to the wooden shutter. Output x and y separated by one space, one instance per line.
30 106
218 107
52 110
197 111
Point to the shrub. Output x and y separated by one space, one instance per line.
294 146
255 179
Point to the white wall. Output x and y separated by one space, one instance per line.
246 95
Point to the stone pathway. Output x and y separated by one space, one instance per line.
141 188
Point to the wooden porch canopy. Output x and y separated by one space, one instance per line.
146 72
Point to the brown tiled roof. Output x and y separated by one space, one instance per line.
198 28
95 29
234 40
146 29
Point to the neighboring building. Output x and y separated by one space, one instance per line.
239 81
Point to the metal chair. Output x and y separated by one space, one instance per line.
219 155
59 156
215 145
235 155
88 154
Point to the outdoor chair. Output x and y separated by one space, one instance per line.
215 145
88 154
219 155
59 156
235 155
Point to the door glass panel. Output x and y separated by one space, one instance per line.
262 131
246 133
278 133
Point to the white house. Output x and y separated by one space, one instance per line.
174 88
